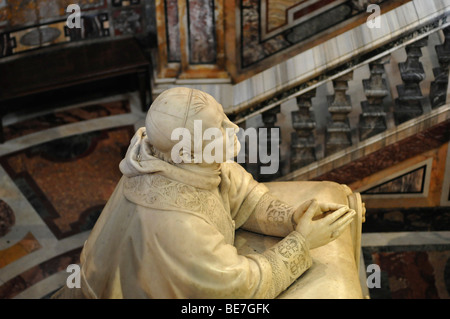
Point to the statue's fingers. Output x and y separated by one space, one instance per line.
304 206
312 209
301 210
342 227
341 223
337 214
350 214
326 207
339 227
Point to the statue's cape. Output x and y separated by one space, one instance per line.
158 216
153 183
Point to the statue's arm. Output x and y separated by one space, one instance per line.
287 260
195 262
271 217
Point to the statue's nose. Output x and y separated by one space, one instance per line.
228 124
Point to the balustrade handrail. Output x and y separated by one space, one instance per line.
375 117
309 85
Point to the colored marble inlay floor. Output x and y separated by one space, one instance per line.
13 287
73 115
421 272
54 187
69 180
25 246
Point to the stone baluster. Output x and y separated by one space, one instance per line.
438 89
408 105
267 142
373 117
302 140
339 105
244 162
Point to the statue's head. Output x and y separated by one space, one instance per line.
184 119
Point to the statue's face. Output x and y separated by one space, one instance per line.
213 117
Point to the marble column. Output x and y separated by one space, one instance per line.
339 105
302 140
438 89
267 142
408 105
244 162
373 117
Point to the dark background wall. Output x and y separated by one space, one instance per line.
30 25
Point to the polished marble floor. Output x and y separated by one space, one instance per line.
58 168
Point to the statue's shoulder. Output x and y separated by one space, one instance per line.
159 192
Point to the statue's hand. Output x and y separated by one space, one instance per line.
320 223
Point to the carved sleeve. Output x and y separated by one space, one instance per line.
271 217
283 263
287 260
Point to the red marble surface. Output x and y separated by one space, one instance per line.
390 155
71 190
202 44
413 274
173 31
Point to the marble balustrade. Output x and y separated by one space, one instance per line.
359 112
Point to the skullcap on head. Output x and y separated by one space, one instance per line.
171 110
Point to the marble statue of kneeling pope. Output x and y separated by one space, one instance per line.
180 226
